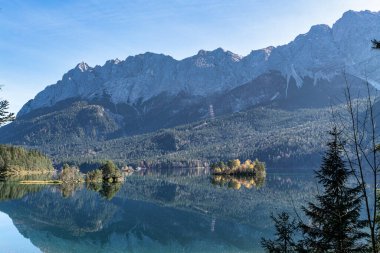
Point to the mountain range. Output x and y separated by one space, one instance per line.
148 92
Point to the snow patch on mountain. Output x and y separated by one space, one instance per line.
320 54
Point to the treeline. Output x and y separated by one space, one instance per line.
280 138
18 160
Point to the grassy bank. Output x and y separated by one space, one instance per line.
41 182
22 172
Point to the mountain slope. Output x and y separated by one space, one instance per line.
320 54
108 104
279 137
77 120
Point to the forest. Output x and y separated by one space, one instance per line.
287 138
20 161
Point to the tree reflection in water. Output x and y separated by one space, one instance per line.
236 182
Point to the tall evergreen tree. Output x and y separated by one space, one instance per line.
334 220
284 242
5 116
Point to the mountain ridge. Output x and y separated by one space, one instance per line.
321 53
138 104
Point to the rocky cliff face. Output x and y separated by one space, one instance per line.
147 92
320 54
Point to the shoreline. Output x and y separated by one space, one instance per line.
41 182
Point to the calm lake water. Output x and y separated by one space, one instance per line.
161 211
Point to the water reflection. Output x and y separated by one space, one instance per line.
12 190
108 190
68 189
179 211
236 182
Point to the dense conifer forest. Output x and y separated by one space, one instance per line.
18 160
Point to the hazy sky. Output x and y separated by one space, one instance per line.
41 40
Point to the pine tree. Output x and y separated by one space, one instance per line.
5 116
285 229
375 44
334 220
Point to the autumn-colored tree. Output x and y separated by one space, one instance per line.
71 174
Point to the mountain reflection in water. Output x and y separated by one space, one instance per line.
152 211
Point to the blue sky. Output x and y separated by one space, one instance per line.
41 40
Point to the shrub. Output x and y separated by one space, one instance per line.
110 172
95 176
71 174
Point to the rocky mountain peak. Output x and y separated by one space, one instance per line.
82 66
319 54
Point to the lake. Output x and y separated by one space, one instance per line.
183 210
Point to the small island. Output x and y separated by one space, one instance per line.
237 168
108 172
106 180
234 174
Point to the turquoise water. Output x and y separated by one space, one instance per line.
170 211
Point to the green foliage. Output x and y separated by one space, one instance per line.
334 219
77 122
70 174
18 160
334 223
110 172
96 187
278 137
106 180
5 116
285 230
94 176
